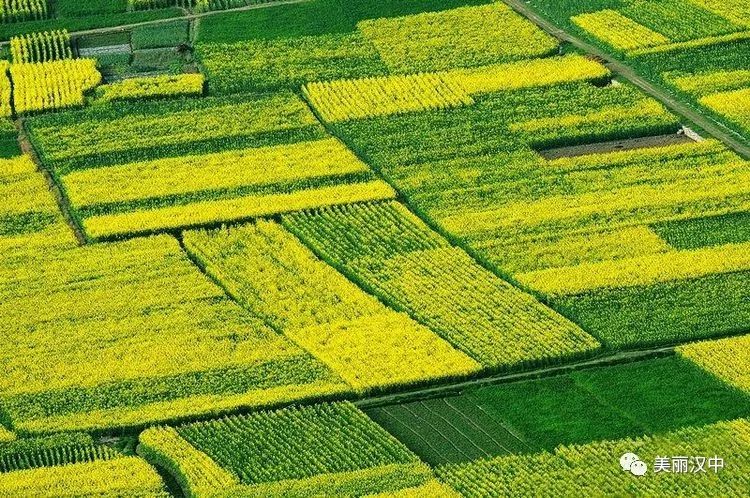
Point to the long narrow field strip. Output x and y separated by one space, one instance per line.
371 347
233 209
221 171
646 270
727 359
317 450
553 473
355 99
344 100
618 31
409 266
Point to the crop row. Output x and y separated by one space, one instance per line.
558 473
390 251
242 207
352 99
6 91
52 85
124 476
22 10
60 449
616 30
41 47
703 84
149 87
736 11
371 347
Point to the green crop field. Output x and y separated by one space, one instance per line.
404 249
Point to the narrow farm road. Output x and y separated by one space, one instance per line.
730 137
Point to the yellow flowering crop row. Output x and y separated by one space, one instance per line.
725 191
616 30
41 47
735 105
6 435
691 44
267 270
126 476
22 10
526 74
558 473
728 359
713 82
221 170
461 37
355 99
250 206
5 91
433 489
151 87
52 85
646 270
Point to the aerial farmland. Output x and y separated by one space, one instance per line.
374 248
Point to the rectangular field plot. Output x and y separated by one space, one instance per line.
372 347
448 430
557 472
318 450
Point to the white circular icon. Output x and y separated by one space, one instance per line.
638 468
627 460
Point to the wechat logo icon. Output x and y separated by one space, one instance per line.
631 463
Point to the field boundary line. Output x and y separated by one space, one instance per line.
62 201
731 138
187 17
